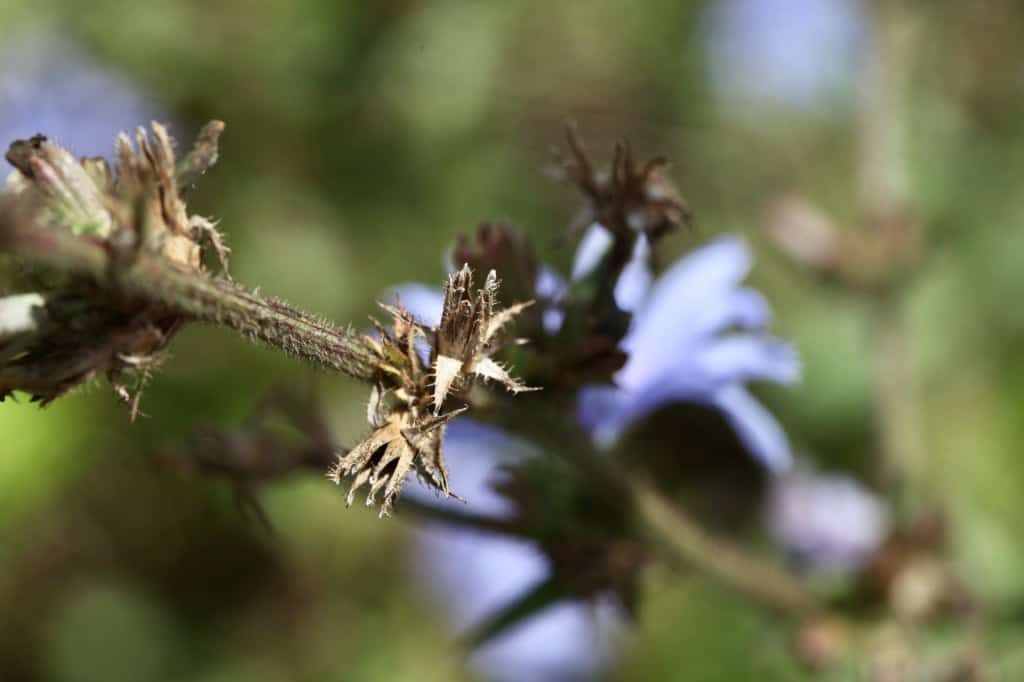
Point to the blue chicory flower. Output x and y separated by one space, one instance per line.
474 573
678 351
681 347
795 53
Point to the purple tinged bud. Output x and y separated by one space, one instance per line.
827 523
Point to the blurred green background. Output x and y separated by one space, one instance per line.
362 137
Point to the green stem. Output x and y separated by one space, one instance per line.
674 530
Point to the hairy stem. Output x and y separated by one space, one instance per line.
143 277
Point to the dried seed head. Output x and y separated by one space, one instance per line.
468 336
630 198
137 208
403 440
405 405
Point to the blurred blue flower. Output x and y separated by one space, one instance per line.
790 52
679 350
696 336
826 523
47 86
475 573
550 288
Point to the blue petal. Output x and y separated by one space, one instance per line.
746 357
552 319
800 62
475 573
743 307
594 245
677 353
424 302
635 280
606 411
474 453
550 286
756 427
707 272
571 640
699 287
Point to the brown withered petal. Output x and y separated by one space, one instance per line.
403 442
461 317
405 406
501 247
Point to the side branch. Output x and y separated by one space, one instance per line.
767 584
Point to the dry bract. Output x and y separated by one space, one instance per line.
406 406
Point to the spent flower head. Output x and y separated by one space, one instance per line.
136 207
630 198
406 406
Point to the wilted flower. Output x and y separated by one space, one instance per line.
135 207
405 405
630 198
681 347
826 523
467 335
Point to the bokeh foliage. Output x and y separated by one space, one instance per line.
363 137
